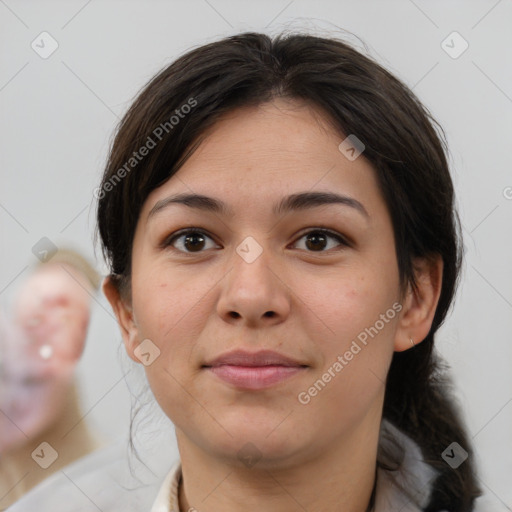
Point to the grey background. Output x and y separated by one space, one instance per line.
58 114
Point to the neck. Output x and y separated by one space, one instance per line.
68 435
341 477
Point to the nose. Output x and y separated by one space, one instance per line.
254 293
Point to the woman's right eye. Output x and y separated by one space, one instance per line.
188 241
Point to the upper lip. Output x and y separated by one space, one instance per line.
260 358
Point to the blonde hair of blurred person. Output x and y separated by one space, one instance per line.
42 341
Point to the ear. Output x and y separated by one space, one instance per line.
124 315
420 304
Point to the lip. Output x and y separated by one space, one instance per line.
253 359
254 370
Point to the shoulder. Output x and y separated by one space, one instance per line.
409 487
100 481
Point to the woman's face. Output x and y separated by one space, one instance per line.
258 277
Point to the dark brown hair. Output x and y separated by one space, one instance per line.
402 141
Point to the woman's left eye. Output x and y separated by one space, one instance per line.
195 240
317 239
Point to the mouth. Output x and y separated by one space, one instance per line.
254 371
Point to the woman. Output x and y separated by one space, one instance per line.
278 216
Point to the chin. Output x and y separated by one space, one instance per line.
259 442
269 455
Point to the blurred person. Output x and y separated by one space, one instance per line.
41 343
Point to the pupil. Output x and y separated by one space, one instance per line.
191 240
315 238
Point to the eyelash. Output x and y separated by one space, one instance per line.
168 241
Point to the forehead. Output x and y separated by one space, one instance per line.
52 280
274 136
265 152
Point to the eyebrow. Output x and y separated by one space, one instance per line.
294 202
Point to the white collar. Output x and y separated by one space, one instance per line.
167 497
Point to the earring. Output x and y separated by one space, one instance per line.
412 342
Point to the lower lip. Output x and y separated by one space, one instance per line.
254 377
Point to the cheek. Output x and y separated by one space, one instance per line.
172 385
350 381
166 308
346 302
172 313
358 312
69 337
